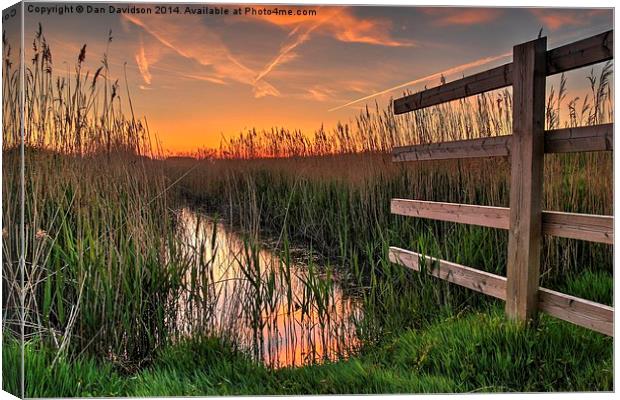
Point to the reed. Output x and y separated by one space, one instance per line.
102 256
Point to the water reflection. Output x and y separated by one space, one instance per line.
282 312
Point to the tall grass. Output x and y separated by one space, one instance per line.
102 258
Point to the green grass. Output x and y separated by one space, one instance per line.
475 352
485 352
43 378
595 285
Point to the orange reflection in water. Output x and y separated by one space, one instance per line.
283 313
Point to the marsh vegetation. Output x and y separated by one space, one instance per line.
261 267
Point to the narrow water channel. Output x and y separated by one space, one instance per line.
282 312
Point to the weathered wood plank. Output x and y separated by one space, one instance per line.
595 316
492 217
586 313
584 138
593 228
592 50
526 179
497 146
492 79
566 140
480 281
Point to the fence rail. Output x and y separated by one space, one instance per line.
525 220
567 140
593 228
589 314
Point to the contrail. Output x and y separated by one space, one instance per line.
143 63
287 49
291 45
453 70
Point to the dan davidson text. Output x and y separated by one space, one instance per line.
198 10
167 9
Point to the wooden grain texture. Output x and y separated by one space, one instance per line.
584 138
526 179
480 281
495 78
585 52
591 315
565 140
492 217
497 146
593 228
586 313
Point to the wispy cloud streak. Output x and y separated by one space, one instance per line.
338 22
448 16
203 46
143 64
285 51
342 24
556 19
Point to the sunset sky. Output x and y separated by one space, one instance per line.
196 78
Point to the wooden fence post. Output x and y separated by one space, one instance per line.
526 183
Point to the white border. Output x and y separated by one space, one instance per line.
481 3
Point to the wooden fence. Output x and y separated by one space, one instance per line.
525 220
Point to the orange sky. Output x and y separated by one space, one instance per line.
197 78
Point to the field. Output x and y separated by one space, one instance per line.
261 267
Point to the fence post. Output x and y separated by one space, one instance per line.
526 183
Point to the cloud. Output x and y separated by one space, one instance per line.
556 19
446 16
319 93
296 37
347 27
204 78
201 45
204 46
143 64
450 71
337 22
342 24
